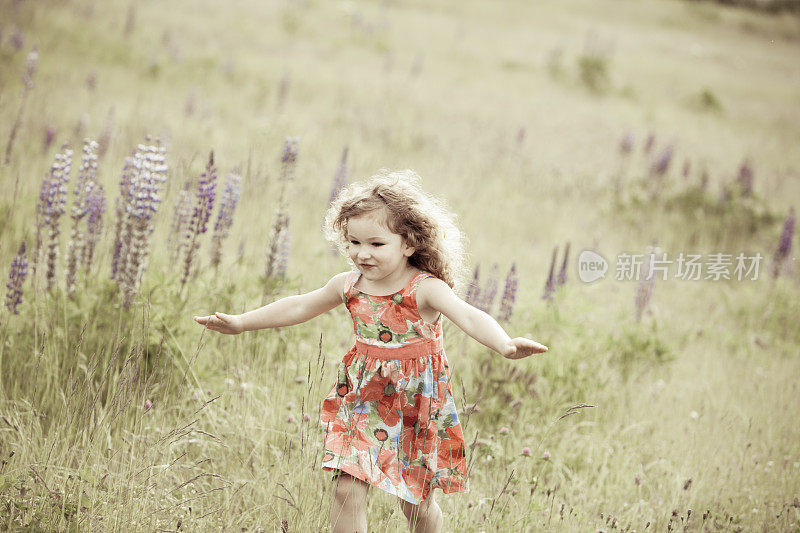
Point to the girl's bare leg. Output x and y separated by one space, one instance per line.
349 506
425 517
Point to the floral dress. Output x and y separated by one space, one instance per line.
390 419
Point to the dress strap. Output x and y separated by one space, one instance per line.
349 281
417 279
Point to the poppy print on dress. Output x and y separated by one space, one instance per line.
390 419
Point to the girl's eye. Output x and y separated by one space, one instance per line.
377 244
354 242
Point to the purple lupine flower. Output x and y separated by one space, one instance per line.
49 137
562 274
121 203
489 292
661 164
203 205
473 289
17 40
781 256
289 158
31 66
645 289
181 216
745 179
16 277
550 284
648 145
84 185
51 205
140 186
340 179
96 208
280 226
509 294
626 145
230 197
686 167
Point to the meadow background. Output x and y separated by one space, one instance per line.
611 125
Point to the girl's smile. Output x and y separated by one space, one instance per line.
380 255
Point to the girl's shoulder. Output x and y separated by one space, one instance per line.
429 287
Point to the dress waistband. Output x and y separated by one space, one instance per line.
409 351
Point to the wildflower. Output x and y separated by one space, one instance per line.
626 145
306 417
96 207
781 256
473 289
230 197
147 405
16 277
745 179
31 64
49 137
108 131
291 419
648 145
526 451
550 285
84 185
503 430
546 455
140 185
17 40
198 224
509 294
661 165
490 290
51 205
280 239
562 274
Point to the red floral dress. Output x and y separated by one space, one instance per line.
390 419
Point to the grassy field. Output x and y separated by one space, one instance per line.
118 419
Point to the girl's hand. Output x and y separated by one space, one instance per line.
522 347
228 324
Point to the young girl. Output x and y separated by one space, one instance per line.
390 419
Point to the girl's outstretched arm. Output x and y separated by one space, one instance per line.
284 312
437 295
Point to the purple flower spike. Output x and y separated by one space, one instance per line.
550 284
473 289
230 197
661 165
51 205
509 294
16 277
489 292
644 291
203 205
562 274
745 179
780 259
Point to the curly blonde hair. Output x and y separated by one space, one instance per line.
423 221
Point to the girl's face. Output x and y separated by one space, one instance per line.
380 255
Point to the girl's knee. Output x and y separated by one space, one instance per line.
410 510
347 487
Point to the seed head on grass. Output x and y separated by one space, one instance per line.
280 237
16 277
